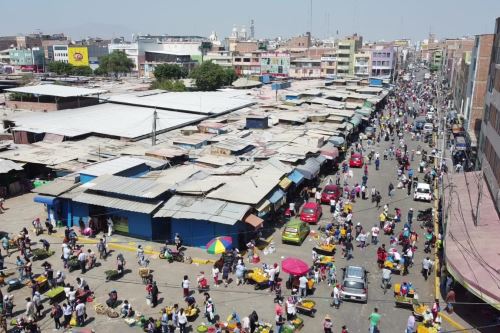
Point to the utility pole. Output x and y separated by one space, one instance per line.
479 195
153 133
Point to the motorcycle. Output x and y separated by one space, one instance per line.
171 255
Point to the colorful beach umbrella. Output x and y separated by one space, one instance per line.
219 244
294 266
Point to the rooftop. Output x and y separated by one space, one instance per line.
134 187
56 90
113 166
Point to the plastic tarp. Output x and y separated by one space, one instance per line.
310 169
364 112
337 140
321 159
44 199
355 120
276 196
296 177
329 151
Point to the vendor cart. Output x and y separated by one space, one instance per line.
112 274
394 267
144 273
73 264
421 328
408 300
41 282
55 294
306 307
326 260
325 249
83 295
258 277
419 311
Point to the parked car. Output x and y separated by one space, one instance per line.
311 212
428 128
354 284
295 231
430 115
356 161
419 123
330 192
422 192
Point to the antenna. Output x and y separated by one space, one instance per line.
311 18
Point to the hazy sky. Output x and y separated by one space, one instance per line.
374 19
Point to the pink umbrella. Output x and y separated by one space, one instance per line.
294 266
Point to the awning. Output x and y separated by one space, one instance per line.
285 183
348 128
310 169
329 151
254 221
337 141
296 177
264 207
364 112
276 196
355 120
320 159
45 200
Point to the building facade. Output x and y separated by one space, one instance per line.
476 85
329 66
362 64
59 53
28 60
275 63
489 147
382 60
305 68
247 63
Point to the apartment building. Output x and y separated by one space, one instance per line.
247 63
362 64
305 68
382 60
346 48
489 147
329 65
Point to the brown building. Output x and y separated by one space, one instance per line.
476 85
299 42
459 83
489 146
453 50
246 46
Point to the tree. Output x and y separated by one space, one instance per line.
60 68
169 72
115 63
169 85
209 76
204 48
230 76
82 71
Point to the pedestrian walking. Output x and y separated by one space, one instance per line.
336 296
374 319
410 217
377 163
185 286
390 189
375 233
110 226
80 313
67 313
82 259
56 313
410 324
426 267
327 324
182 319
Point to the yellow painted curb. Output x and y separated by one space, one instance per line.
453 322
83 240
200 261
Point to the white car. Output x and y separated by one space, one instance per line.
428 128
430 115
422 192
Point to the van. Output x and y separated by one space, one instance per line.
461 143
428 128
423 192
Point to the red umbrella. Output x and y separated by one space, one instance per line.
294 266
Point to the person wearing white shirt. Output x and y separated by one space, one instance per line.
375 233
80 313
426 267
110 226
317 195
182 320
303 286
82 258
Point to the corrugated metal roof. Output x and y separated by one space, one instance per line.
56 90
57 187
184 207
201 186
117 203
6 166
135 187
113 166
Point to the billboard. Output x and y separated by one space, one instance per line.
78 56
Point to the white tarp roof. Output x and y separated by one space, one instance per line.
56 90
6 166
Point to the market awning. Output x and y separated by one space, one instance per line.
348 128
44 199
320 159
356 120
254 221
329 151
337 141
296 177
310 169
265 206
285 183
364 112
277 196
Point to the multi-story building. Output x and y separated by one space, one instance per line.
305 68
59 53
50 40
221 58
489 147
437 60
362 64
329 65
346 48
460 79
382 59
299 42
275 63
453 50
247 63
28 60
476 84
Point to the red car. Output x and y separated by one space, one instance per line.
330 192
356 161
311 212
